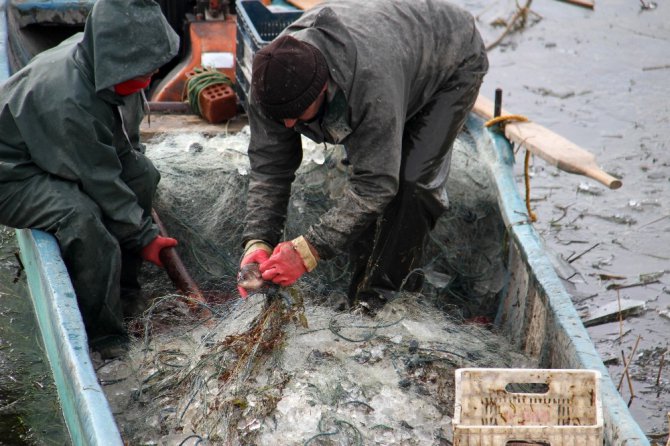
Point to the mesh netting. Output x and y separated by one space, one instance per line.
291 367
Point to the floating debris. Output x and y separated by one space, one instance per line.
603 276
651 277
639 205
620 219
647 6
613 311
589 189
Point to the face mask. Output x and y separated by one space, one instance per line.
131 86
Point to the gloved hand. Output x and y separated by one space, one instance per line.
289 261
256 251
151 252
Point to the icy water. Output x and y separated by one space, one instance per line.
600 78
29 409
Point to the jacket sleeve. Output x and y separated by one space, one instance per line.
79 147
374 151
275 153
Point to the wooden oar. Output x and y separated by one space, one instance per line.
550 146
180 277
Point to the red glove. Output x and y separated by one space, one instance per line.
152 251
289 261
258 255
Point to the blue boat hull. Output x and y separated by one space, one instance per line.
536 313
86 411
536 310
36 25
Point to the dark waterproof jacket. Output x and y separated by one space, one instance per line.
388 57
60 115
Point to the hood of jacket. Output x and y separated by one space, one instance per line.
124 39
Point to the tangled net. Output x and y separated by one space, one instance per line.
289 366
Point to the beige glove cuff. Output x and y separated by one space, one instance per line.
308 258
256 244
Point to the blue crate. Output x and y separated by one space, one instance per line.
256 27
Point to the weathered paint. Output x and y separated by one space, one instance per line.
61 12
86 411
556 327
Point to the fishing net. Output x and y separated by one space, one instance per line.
291 366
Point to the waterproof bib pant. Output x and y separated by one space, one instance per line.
142 177
385 258
91 253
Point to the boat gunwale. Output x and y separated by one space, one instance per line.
620 427
85 408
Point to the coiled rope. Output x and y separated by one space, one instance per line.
202 78
526 162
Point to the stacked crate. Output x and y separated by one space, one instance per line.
256 27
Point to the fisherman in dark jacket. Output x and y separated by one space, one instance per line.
392 81
71 162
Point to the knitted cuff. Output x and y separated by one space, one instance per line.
300 244
256 244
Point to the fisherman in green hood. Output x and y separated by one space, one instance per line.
71 161
393 82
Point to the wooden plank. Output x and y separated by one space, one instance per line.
304 4
166 124
550 146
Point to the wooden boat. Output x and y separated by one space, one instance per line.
37 25
536 312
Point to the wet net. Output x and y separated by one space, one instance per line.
293 366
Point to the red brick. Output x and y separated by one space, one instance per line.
218 103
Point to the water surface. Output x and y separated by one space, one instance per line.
598 77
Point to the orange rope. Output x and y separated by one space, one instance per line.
526 175
505 119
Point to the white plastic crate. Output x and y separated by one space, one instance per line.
556 407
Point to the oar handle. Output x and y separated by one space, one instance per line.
178 274
602 177
550 146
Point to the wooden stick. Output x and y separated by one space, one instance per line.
521 13
630 384
179 275
570 260
616 286
550 146
626 364
618 299
660 369
582 3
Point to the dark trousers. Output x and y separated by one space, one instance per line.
388 253
91 253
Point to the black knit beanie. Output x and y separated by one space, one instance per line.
287 77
